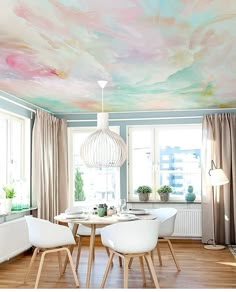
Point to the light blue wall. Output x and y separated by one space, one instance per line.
14 105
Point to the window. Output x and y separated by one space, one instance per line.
15 158
90 184
165 155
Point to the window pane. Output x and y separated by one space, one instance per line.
15 170
180 159
3 151
92 184
140 167
14 167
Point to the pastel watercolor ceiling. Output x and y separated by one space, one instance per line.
155 54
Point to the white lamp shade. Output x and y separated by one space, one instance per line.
103 148
218 177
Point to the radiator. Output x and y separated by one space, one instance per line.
13 238
188 223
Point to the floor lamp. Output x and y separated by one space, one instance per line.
217 178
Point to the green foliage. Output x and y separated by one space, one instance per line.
9 191
79 192
164 189
144 189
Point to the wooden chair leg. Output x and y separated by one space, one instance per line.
60 262
40 269
72 267
159 254
148 265
152 270
71 248
107 269
108 254
142 270
31 264
173 254
126 271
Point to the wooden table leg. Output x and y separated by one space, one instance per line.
91 250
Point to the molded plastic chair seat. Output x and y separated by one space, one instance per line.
167 218
128 240
50 237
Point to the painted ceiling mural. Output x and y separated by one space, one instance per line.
155 54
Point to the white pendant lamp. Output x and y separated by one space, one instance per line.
103 148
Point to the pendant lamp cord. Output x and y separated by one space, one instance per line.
102 100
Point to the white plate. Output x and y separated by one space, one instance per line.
75 216
137 212
125 217
74 213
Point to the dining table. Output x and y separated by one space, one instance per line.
94 221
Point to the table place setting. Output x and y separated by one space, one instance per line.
77 215
137 211
124 217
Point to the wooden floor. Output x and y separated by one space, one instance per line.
200 268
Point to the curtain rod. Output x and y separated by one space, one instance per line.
139 119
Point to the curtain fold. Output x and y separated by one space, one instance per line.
49 165
219 145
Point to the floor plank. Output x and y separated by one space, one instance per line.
200 268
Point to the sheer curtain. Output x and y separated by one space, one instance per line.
49 165
219 144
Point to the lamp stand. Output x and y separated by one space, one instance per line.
213 246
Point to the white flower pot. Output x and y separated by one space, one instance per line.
8 205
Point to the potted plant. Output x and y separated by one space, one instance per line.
9 195
144 192
164 192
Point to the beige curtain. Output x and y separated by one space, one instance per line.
219 145
49 165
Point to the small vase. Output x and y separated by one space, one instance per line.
190 196
8 205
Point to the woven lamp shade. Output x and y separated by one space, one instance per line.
103 148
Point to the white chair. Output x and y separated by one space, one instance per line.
167 218
128 240
82 232
49 237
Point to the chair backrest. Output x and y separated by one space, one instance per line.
44 234
167 218
131 237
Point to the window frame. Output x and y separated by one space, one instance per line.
154 197
25 157
71 131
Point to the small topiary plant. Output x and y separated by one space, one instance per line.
144 189
164 189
